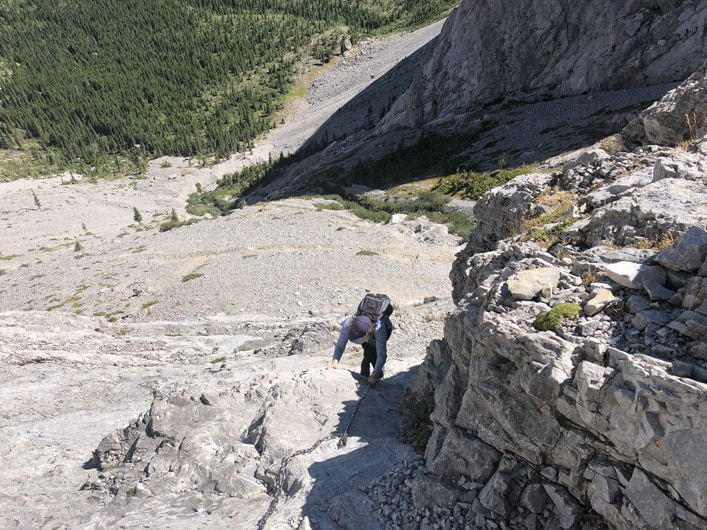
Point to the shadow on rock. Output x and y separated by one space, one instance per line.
337 498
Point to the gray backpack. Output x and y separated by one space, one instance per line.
375 306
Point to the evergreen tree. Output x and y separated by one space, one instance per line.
90 80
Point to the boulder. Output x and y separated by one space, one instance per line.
688 254
677 117
597 301
527 284
632 275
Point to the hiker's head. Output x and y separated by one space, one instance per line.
359 329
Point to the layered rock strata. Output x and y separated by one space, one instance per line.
600 419
606 413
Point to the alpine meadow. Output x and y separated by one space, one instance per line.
101 87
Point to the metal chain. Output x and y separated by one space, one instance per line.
345 435
280 477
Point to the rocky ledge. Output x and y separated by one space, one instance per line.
570 384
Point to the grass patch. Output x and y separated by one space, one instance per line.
550 320
111 317
149 304
431 204
192 276
74 300
366 253
548 227
328 206
175 222
659 242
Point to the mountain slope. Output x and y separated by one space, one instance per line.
518 82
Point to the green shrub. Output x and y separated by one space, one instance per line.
174 222
457 222
215 203
550 320
428 201
472 184
431 201
416 408
364 213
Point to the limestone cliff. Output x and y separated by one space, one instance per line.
517 49
525 80
597 419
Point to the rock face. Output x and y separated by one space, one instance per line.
225 372
676 118
600 422
606 411
525 79
547 48
210 461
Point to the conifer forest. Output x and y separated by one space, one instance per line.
92 81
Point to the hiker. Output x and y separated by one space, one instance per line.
371 328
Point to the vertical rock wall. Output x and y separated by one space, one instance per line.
520 48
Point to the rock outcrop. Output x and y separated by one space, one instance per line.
598 419
222 459
676 118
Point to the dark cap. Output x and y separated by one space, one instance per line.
359 329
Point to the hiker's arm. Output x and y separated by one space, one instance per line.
381 350
341 343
